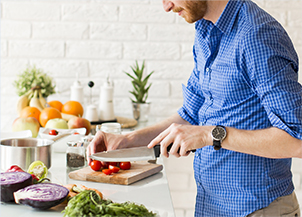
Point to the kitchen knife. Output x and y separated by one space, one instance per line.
129 154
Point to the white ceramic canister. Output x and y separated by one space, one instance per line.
91 113
106 110
77 92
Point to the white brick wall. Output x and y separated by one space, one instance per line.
100 37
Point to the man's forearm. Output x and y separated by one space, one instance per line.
143 136
271 143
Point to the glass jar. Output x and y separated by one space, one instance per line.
114 128
75 155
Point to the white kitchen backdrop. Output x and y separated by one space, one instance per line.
93 38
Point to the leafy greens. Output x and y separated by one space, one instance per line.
88 203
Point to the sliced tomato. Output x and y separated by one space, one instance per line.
96 165
53 132
125 165
105 164
112 163
107 171
114 169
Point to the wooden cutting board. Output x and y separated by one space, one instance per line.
138 171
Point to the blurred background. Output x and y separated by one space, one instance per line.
92 39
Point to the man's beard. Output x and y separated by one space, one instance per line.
193 10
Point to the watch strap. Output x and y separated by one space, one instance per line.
217 144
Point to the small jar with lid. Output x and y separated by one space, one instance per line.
75 155
114 128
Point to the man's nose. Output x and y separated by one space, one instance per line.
168 5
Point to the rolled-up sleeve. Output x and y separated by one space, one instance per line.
192 99
273 69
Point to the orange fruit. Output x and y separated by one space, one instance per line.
29 111
47 114
56 104
73 108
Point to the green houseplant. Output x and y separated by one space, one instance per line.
139 83
140 91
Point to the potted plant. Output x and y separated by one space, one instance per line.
140 92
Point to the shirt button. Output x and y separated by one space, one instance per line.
198 184
207 69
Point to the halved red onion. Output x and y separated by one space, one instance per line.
41 196
11 182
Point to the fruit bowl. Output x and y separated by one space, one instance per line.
44 132
63 136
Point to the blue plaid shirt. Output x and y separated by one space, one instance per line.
245 76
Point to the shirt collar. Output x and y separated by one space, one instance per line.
226 20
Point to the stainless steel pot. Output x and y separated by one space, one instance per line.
24 151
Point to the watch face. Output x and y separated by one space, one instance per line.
218 133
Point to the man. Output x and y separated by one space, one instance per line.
242 112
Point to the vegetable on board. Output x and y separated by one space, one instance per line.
125 165
107 171
11 182
114 169
96 165
41 196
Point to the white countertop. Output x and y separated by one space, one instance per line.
153 192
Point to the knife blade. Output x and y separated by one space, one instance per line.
130 154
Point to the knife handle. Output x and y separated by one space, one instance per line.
157 149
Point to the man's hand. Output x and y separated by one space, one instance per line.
184 138
104 142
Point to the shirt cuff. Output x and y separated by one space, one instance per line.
191 105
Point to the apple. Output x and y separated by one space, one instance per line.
78 122
29 123
56 123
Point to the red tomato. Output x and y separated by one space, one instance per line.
112 163
107 171
125 165
114 169
105 164
53 132
96 165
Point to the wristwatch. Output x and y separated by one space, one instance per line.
218 134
